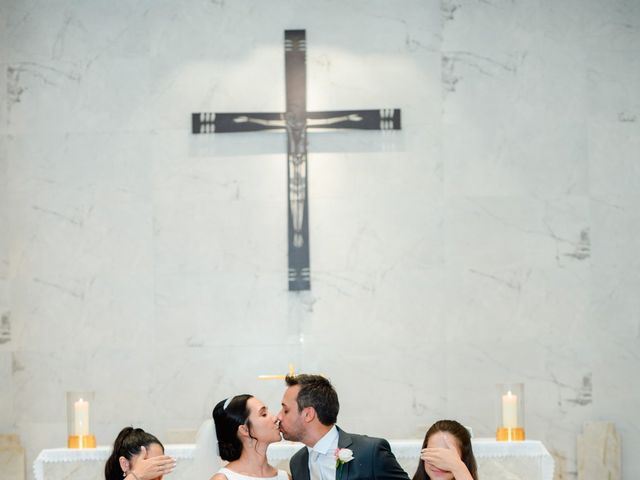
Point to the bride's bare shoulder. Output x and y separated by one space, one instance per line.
219 476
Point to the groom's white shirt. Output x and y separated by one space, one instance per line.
325 448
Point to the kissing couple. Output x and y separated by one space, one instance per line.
242 428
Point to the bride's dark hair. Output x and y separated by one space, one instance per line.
227 421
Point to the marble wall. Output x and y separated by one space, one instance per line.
493 239
6 378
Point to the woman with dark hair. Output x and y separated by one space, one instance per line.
137 455
446 453
244 428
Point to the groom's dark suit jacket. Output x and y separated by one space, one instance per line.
372 458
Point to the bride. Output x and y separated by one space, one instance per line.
244 428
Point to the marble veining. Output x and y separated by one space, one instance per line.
492 239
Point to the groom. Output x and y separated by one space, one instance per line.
308 415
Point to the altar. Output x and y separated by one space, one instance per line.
527 460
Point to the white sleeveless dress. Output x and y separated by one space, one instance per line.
231 475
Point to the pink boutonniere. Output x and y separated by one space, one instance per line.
343 455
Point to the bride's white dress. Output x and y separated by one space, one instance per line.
231 475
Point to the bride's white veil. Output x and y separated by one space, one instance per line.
207 458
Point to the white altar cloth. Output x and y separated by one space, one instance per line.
528 460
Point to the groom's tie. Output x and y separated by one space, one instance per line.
315 472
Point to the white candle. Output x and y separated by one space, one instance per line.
509 410
81 417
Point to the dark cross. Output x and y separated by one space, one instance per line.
296 121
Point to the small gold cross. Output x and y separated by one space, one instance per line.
291 373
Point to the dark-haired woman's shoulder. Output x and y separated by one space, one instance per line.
219 476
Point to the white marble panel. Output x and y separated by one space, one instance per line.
343 69
504 305
614 305
81 235
372 234
53 97
615 351
4 224
3 77
614 109
613 159
7 413
611 27
507 232
368 311
194 310
514 100
616 221
5 313
211 205
76 68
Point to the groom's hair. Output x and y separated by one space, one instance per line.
316 391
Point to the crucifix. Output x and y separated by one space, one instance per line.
295 121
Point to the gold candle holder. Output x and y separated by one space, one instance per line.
510 412
79 426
